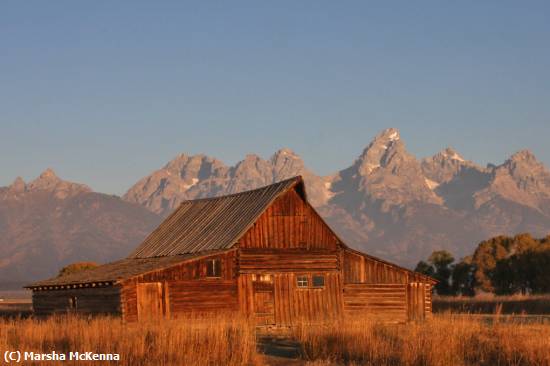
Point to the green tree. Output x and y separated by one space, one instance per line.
463 281
425 268
441 261
439 267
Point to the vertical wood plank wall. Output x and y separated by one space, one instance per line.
362 269
290 239
289 222
293 304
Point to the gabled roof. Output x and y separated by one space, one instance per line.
212 223
195 229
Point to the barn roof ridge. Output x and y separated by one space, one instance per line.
296 178
212 223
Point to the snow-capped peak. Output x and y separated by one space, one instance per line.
394 136
449 153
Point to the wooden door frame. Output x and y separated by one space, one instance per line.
164 305
272 292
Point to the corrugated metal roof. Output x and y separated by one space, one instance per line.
115 271
211 223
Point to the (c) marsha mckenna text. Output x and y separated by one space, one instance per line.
18 356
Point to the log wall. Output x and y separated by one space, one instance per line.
387 302
199 297
100 300
286 260
186 289
377 288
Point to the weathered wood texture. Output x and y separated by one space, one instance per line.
385 301
194 269
212 296
150 301
104 300
250 249
292 304
362 269
419 302
185 289
286 260
289 222
212 223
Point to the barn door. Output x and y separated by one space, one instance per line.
264 304
150 301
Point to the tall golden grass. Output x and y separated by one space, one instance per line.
488 303
193 341
443 340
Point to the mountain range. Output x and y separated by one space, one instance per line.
387 203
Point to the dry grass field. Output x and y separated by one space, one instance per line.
489 304
444 340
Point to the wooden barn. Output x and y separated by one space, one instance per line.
265 253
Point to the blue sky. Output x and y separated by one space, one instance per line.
105 92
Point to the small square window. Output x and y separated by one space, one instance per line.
302 281
213 268
319 281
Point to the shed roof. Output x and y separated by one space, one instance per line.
115 271
212 223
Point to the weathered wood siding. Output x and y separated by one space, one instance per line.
387 291
289 222
286 260
213 296
419 302
387 302
292 304
100 300
186 289
362 269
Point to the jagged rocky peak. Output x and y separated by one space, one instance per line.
190 166
444 166
50 182
528 173
285 153
18 185
450 154
523 163
384 149
384 172
197 176
524 154
286 163
46 179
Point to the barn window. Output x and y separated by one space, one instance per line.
214 268
318 281
72 303
302 281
